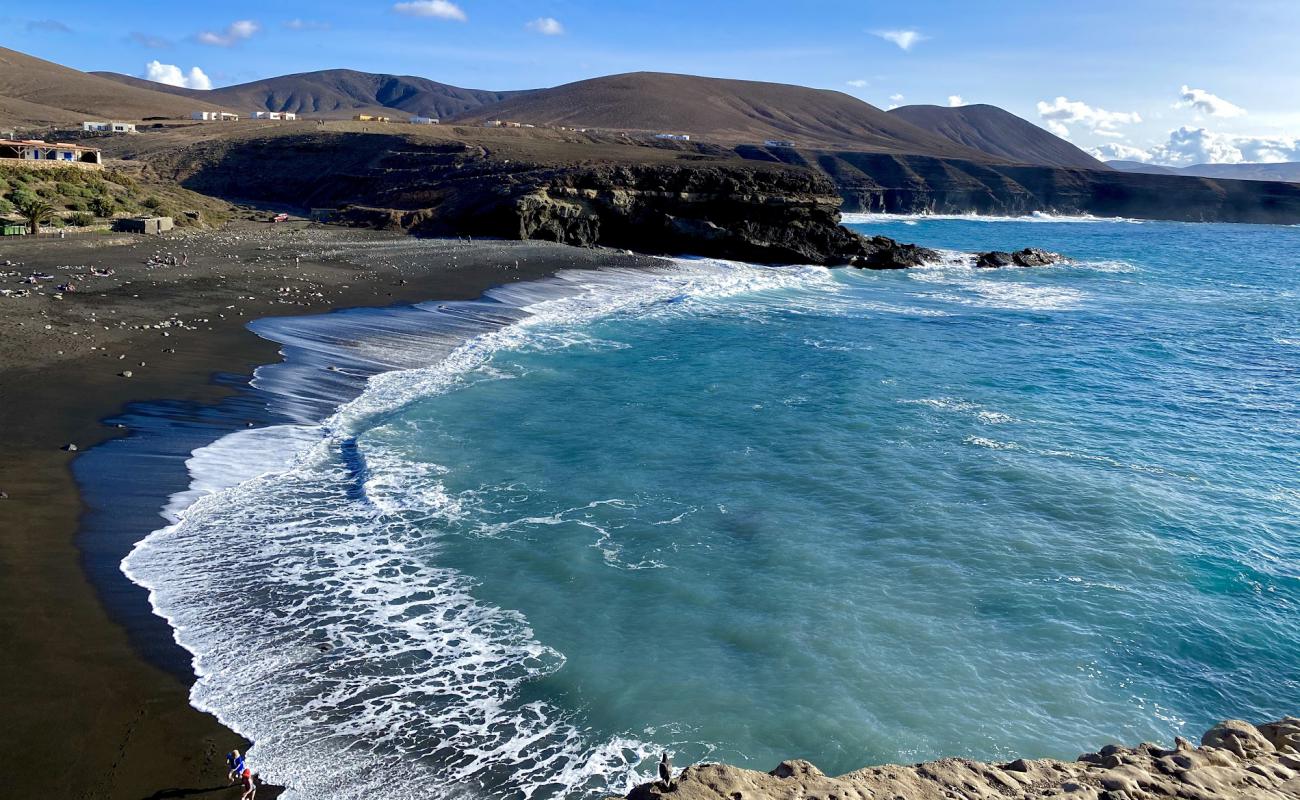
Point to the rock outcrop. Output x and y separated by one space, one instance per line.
720 207
1236 760
911 184
1029 257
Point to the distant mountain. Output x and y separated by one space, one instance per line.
728 110
999 133
336 93
1138 166
37 92
1287 171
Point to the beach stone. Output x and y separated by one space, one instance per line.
1284 734
126 373
71 448
1237 737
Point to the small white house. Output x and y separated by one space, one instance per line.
226 116
108 127
676 137
264 115
423 121
777 143
289 115
205 116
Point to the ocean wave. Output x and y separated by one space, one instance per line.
296 571
1037 216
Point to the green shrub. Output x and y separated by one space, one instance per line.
81 219
75 205
5 206
22 196
152 202
103 205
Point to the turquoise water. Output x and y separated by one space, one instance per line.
749 514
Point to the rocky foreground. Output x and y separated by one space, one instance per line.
1235 760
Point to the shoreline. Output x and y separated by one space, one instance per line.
99 718
225 402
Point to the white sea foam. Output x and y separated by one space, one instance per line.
297 568
1037 216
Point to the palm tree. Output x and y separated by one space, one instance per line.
35 212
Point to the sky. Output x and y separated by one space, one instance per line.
1165 81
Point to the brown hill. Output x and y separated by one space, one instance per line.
336 93
999 133
33 91
731 110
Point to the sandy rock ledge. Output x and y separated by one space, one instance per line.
1235 760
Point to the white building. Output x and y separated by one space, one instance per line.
676 137
423 121
214 116
288 115
777 143
108 127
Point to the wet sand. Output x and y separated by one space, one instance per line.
89 716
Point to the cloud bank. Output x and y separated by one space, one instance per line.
1062 113
1209 104
172 75
1187 145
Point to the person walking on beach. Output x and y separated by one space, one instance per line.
249 785
235 764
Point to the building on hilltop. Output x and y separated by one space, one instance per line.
108 127
676 137
777 143
35 153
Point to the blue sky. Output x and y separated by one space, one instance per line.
1172 82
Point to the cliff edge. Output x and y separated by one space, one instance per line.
1235 760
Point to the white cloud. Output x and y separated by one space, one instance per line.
1116 151
234 33
171 75
1186 146
1209 104
1062 112
441 9
954 100
897 98
546 26
905 40
859 83
306 25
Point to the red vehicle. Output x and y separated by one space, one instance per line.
280 218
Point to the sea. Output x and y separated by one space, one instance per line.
521 546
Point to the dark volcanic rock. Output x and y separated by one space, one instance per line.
1029 257
723 208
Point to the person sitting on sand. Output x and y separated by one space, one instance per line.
249 785
236 764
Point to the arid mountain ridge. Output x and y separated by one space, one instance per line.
594 148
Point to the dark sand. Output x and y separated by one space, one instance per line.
87 715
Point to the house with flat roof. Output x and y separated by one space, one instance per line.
423 121
370 118
108 127
35 153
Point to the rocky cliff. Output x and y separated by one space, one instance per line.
721 207
877 182
1235 760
